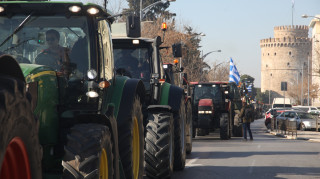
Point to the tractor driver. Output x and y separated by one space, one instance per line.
55 56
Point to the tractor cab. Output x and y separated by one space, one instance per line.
57 40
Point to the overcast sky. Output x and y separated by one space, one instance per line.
237 26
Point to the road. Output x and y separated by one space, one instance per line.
267 156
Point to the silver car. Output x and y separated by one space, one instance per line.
308 121
291 116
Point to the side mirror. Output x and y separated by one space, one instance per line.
177 50
133 26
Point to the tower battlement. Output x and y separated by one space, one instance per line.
289 27
285 41
297 31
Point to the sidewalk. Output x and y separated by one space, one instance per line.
301 135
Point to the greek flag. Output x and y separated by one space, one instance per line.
234 74
249 88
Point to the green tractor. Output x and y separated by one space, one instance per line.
64 113
175 76
163 107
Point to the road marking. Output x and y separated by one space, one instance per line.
190 163
259 146
251 167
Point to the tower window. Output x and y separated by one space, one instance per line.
288 64
289 53
267 65
275 53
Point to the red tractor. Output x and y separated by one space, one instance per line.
216 105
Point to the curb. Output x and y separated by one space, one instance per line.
292 137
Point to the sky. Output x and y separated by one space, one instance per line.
236 26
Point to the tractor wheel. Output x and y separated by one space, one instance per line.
224 126
159 145
180 137
189 128
88 153
131 142
20 150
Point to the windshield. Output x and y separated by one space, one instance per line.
55 41
207 91
305 116
135 63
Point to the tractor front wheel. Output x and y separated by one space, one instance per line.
189 128
180 137
224 126
88 153
159 145
131 142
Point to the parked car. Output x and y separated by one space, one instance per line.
291 115
308 109
308 121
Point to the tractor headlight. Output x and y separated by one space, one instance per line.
92 74
1 9
93 11
92 94
201 112
75 9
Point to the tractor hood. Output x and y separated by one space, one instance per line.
31 71
205 102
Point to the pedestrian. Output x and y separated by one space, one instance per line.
246 116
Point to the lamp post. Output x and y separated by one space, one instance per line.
144 11
203 57
306 16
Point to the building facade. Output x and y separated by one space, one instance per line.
315 37
286 58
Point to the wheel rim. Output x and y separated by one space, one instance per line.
104 170
16 162
136 148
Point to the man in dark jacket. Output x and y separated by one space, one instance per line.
246 115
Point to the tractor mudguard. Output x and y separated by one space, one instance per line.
152 108
131 88
175 95
171 95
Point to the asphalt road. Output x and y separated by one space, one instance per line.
267 156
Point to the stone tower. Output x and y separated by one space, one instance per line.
284 58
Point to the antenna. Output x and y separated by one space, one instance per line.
292 12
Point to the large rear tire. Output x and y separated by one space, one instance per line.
180 137
159 145
131 142
224 126
88 153
189 128
20 150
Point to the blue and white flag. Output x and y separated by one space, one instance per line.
234 75
249 88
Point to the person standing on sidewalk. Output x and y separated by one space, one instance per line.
246 116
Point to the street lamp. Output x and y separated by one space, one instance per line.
306 16
145 10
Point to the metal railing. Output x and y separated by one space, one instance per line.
287 125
